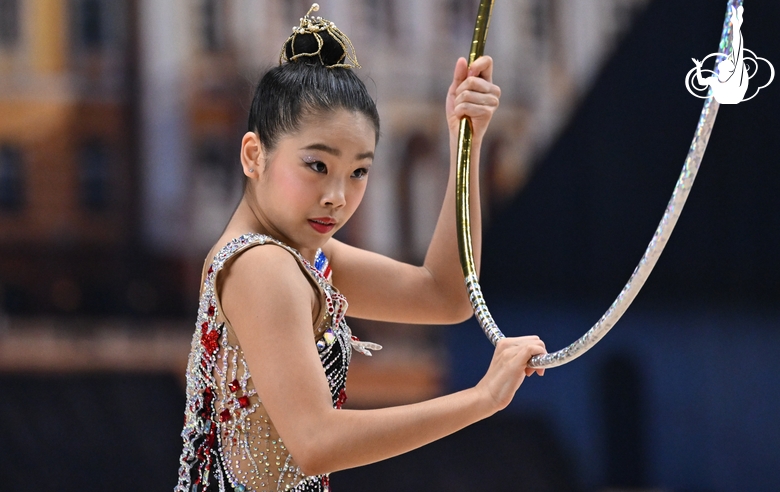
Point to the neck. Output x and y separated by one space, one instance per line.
249 218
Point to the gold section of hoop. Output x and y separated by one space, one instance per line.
463 185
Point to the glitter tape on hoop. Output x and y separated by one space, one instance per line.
653 251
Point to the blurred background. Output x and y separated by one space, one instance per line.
120 124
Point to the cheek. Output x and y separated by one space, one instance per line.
356 193
292 188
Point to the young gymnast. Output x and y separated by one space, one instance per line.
267 372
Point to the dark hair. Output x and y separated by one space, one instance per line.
306 86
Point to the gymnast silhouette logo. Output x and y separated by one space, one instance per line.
730 81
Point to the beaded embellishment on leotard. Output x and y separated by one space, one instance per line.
229 442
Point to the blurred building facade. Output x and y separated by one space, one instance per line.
120 123
67 144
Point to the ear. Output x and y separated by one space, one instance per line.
252 156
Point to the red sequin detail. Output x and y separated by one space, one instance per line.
211 269
208 396
209 341
224 415
243 401
211 311
342 399
233 385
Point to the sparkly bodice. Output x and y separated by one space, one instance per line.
230 443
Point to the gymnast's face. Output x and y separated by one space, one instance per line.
312 182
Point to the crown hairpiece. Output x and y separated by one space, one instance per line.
314 26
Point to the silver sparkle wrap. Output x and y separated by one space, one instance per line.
654 249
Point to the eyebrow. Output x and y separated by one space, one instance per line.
336 152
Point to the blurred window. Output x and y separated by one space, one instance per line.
211 153
214 158
381 17
542 20
9 23
540 13
212 31
11 178
94 176
90 29
420 191
462 13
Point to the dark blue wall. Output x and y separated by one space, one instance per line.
579 227
708 383
690 376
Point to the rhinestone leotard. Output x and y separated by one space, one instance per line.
230 442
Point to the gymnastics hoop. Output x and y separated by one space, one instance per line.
649 258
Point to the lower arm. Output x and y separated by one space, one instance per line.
350 438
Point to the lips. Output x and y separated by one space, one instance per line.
323 225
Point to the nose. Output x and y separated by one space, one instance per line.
334 195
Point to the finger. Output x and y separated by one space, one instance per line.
529 371
535 349
477 84
459 75
473 111
477 98
482 67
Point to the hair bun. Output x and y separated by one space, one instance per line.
317 40
314 48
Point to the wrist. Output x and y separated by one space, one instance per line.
476 141
484 402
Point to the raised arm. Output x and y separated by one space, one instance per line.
737 43
380 288
699 78
270 303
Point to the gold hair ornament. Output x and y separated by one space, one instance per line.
314 26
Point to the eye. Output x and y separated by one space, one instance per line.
360 172
318 167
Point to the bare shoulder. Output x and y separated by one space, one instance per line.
264 266
264 279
